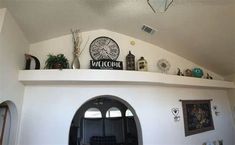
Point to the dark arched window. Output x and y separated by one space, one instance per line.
128 113
113 112
93 113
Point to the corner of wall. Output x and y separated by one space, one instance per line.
13 46
2 16
231 96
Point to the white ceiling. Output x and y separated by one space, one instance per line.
202 31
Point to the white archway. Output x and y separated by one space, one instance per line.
129 106
11 124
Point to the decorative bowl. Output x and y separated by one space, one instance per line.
197 72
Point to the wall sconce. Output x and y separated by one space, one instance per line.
175 112
159 5
215 110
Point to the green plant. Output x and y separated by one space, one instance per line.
56 62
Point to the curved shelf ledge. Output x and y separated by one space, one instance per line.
101 77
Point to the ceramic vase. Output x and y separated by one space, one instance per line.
197 72
75 63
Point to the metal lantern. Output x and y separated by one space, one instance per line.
130 61
142 64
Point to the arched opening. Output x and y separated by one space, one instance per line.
117 125
93 113
113 112
128 113
8 123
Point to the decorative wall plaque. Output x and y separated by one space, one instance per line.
104 48
104 52
197 116
106 64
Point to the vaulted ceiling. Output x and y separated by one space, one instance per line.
202 31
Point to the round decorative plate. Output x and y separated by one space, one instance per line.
104 48
163 65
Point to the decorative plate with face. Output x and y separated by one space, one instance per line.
104 48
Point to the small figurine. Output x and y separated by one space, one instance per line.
179 73
209 77
29 59
130 61
142 64
188 73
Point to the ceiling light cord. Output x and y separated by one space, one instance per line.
151 6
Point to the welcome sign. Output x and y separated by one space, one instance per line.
106 64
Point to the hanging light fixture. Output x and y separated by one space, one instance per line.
159 5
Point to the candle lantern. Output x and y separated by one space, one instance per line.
130 61
142 64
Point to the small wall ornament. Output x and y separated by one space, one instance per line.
215 109
130 61
142 64
179 73
175 112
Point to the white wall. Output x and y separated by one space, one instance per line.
231 94
151 52
6 136
2 15
54 106
49 110
230 77
13 45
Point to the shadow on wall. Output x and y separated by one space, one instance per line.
8 123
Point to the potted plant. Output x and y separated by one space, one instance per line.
57 62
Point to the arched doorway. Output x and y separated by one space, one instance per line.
8 123
105 120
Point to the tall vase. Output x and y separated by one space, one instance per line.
75 63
